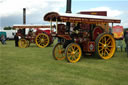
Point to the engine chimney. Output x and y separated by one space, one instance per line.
24 18
68 10
68 7
24 15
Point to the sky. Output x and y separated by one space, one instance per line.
11 11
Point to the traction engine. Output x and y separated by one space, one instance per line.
87 33
42 38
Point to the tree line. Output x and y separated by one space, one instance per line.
8 28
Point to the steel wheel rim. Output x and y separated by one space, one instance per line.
42 40
73 53
23 43
59 52
106 46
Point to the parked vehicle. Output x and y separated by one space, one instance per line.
9 34
42 38
2 33
82 33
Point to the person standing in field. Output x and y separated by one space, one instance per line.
16 38
126 40
3 39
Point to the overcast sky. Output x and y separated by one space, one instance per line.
11 11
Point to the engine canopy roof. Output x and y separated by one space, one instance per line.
68 17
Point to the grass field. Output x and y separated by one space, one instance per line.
36 66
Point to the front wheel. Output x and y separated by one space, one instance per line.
73 52
58 52
23 43
105 46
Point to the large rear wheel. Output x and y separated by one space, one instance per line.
42 40
73 52
58 52
105 46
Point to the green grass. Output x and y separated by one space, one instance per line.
36 66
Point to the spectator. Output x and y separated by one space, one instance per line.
3 39
126 40
16 40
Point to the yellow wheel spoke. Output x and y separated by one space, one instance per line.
100 50
77 54
101 53
73 58
77 50
109 42
110 46
106 51
69 51
101 43
69 56
105 40
72 49
99 46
